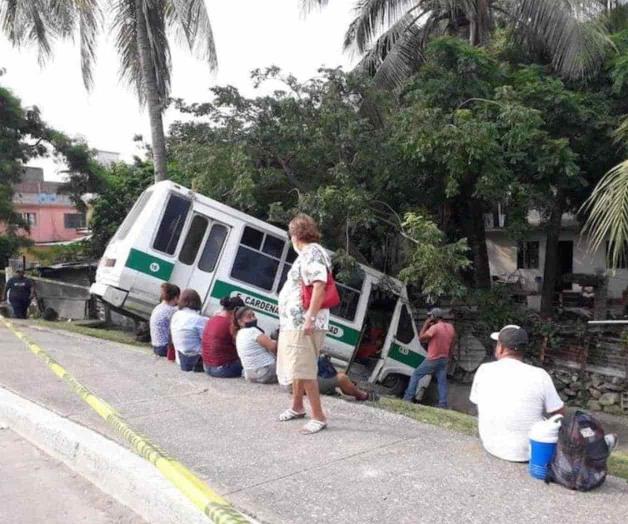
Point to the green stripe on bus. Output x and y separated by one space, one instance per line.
268 306
149 264
405 356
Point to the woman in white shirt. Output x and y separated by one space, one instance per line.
256 350
186 329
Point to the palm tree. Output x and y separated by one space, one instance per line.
608 210
390 34
141 29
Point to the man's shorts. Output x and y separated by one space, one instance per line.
297 355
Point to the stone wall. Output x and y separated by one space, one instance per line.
588 389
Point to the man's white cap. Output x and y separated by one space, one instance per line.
511 336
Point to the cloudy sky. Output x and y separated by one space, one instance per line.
248 33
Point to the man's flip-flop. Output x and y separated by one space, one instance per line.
290 414
313 426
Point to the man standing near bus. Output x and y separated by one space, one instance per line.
20 291
440 337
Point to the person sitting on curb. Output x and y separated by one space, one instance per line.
186 329
511 397
256 350
220 357
160 319
440 337
329 379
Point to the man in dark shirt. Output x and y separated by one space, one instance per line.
19 291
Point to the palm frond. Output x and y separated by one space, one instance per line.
621 135
124 27
373 17
89 24
190 19
307 6
608 214
24 22
397 53
567 29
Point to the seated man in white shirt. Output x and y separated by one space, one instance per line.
511 396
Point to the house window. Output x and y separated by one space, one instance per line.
257 259
29 218
172 224
622 263
528 255
73 220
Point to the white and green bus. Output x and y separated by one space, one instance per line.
173 234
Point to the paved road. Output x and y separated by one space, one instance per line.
369 466
37 488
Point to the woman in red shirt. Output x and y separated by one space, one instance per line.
220 358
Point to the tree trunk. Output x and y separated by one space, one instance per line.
550 268
480 24
473 224
153 99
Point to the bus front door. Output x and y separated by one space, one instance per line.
200 255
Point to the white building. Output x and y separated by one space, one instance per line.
524 261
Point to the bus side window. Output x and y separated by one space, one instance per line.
290 258
405 330
172 224
254 263
212 249
193 240
349 296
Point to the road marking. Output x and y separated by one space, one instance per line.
202 496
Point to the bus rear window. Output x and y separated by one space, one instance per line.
133 215
172 224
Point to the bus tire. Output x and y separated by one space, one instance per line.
396 384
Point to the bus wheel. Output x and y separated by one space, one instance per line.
396 384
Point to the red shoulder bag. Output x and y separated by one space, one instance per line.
332 297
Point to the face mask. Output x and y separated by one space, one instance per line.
251 324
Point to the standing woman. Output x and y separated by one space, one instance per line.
220 358
302 332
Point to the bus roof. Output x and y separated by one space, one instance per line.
248 219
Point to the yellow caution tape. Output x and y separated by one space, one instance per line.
210 503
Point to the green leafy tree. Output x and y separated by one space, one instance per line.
391 35
124 183
306 147
25 136
140 29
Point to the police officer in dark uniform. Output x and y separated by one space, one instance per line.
19 291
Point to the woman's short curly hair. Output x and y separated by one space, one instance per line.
304 228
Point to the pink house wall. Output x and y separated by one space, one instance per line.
50 225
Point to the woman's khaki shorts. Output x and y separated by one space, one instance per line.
297 355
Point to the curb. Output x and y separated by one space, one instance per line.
110 467
185 481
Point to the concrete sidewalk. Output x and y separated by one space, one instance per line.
38 488
369 466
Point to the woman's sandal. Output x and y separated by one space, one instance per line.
290 414
313 426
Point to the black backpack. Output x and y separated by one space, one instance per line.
581 454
